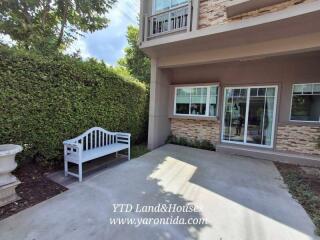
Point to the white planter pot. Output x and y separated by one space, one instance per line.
8 163
8 182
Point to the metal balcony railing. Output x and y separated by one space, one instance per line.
169 21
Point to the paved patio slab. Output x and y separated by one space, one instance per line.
241 198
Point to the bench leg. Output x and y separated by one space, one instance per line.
80 172
129 153
116 154
65 168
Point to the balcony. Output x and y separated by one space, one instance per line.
174 20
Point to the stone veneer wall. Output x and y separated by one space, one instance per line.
297 138
212 12
196 129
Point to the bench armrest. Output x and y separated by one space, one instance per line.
123 137
72 150
124 134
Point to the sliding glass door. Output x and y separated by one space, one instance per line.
249 115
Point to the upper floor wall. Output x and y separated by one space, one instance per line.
213 12
162 18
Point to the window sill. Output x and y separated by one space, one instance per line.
203 118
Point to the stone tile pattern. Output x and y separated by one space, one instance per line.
196 129
297 138
213 12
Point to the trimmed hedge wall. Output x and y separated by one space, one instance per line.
44 101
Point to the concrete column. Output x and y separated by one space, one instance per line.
159 123
141 22
195 14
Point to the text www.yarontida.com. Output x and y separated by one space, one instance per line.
157 221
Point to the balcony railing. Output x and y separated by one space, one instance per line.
170 21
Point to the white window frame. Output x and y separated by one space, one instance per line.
154 11
207 101
244 143
292 94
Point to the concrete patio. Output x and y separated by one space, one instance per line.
241 198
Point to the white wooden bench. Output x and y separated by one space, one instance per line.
94 143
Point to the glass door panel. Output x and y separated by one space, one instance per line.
249 115
260 117
235 112
255 118
269 122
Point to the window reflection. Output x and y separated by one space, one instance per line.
306 102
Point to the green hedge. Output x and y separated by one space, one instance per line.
45 100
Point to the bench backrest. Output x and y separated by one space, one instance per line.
95 138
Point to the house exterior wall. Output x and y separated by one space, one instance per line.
280 71
208 13
196 129
252 37
213 12
298 138
234 50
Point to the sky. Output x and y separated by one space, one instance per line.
108 44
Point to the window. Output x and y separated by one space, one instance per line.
306 102
162 5
196 101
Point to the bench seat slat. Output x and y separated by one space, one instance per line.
102 151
